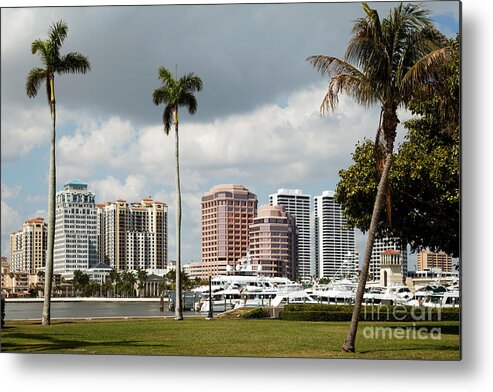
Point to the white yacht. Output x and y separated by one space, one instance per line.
293 297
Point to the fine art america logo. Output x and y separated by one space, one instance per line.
403 314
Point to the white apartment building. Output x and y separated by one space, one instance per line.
333 241
296 203
133 236
381 245
75 245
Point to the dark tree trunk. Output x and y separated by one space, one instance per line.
390 122
349 344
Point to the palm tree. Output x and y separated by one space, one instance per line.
142 278
386 62
53 62
174 93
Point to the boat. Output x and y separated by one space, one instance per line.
447 299
337 292
293 297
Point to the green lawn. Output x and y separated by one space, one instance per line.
220 337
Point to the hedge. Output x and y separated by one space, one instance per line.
375 313
2 311
256 313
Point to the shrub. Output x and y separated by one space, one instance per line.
257 313
2 311
375 313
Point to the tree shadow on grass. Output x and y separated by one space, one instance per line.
53 343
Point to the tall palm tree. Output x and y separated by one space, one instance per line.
174 93
386 62
53 62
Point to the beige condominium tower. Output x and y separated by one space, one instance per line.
28 246
133 236
429 260
227 212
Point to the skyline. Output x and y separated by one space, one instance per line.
258 109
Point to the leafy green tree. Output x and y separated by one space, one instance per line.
126 283
176 93
80 282
113 280
387 62
53 63
170 277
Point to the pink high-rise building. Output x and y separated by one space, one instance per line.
272 242
227 212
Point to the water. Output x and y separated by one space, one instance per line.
33 310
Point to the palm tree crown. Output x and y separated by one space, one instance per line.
175 93
389 62
53 62
392 59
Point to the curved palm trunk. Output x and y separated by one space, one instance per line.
178 307
46 318
349 344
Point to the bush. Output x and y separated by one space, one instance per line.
2 311
257 313
370 313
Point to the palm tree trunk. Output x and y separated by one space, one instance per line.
178 307
46 318
349 344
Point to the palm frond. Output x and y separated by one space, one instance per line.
165 75
190 102
57 33
344 77
329 66
73 62
423 72
366 48
161 95
34 79
191 83
167 118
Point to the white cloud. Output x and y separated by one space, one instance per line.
9 192
24 131
94 143
10 219
110 188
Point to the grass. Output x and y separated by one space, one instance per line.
222 337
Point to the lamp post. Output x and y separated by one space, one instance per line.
210 315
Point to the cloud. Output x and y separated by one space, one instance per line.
134 188
23 130
94 143
10 219
18 26
9 192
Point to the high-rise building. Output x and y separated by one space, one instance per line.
381 245
133 236
429 260
75 245
271 241
28 246
227 212
298 204
334 240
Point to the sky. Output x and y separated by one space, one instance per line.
258 122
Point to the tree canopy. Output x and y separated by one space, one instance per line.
425 178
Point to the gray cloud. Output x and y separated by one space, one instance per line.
247 55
